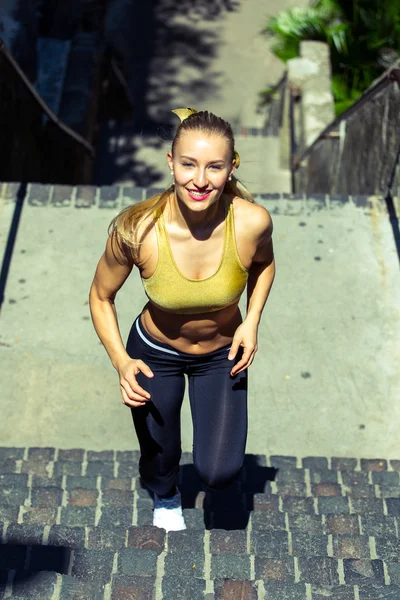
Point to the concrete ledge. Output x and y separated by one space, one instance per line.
118 197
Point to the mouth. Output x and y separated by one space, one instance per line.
196 195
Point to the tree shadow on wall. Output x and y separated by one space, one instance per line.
166 50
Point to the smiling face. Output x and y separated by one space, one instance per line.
202 164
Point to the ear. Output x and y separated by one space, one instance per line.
170 161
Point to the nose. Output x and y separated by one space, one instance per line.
199 178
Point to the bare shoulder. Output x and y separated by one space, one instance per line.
253 218
144 230
127 248
145 247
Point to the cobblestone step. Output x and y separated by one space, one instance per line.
78 524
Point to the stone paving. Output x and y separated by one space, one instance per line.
76 524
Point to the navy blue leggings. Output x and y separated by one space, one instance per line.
218 405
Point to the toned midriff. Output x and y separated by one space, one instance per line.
194 334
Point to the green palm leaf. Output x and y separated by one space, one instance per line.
363 35
290 27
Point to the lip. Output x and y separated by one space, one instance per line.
196 198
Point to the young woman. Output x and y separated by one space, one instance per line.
196 246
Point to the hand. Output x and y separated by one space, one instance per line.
245 337
132 393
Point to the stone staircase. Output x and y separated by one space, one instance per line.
77 525
131 158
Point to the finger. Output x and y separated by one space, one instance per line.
132 387
128 402
234 349
134 391
244 362
143 368
249 362
243 368
130 383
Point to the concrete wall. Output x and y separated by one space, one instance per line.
309 76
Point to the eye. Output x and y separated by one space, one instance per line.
216 167
186 164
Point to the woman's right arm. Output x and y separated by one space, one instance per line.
112 271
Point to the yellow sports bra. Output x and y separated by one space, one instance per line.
171 291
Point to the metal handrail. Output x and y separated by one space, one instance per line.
49 113
392 76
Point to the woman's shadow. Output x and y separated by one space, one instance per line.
229 508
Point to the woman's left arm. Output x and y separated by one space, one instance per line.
261 277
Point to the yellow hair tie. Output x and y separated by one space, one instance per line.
237 158
184 113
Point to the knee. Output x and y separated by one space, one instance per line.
158 477
218 479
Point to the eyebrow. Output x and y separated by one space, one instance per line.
218 160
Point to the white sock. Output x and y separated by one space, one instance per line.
168 513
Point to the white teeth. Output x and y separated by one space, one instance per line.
199 193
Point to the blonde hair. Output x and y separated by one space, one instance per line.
123 226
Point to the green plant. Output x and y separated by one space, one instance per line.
363 36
